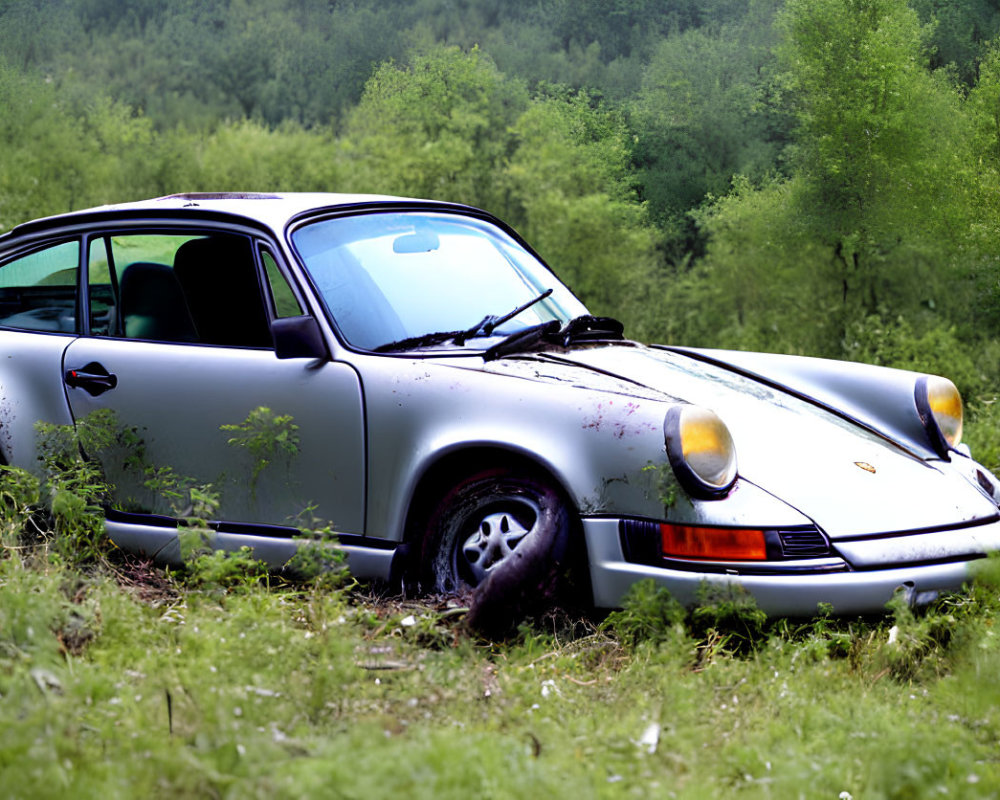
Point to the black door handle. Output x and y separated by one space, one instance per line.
94 379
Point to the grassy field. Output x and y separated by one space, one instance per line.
122 681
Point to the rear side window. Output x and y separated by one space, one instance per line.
38 290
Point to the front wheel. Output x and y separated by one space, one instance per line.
503 536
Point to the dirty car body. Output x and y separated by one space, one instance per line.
460 412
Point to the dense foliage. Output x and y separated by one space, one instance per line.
806 176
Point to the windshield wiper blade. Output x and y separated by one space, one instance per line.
525 340
487 324
416 342
549 335
485 327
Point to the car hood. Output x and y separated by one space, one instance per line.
848 479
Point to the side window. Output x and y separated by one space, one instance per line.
285 304
38 290
193 288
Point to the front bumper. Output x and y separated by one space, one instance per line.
798 592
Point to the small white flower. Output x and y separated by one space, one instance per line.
650 738
848 795
408 622
893 633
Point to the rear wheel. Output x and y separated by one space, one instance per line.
501 535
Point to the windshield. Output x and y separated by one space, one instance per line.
395 276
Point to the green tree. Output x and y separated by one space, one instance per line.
875 219
437 128
962 30
60 153
883 149
706 111
251 156
576 203
983 107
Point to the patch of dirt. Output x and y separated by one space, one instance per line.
144 581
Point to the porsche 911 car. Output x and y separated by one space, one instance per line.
465 424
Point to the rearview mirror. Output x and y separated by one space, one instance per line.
417 242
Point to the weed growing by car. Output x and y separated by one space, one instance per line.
73 489
649 615
728 616
663 483
20 494
265 436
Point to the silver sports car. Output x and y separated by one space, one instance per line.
464 423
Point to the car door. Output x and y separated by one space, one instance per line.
178 345
38 320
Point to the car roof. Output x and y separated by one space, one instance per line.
272 209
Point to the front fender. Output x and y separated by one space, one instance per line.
596 444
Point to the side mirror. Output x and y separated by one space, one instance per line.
298 337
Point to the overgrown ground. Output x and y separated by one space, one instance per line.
122 681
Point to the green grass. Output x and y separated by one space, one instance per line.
124 682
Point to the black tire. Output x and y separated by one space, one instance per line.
501 537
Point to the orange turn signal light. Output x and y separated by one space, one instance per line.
716 544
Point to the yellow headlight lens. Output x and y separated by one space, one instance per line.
701 449
945 403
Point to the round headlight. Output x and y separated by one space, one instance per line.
940 407
700 450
